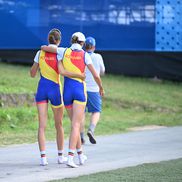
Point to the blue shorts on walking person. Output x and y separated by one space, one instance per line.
94 102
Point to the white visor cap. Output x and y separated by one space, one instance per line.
81 36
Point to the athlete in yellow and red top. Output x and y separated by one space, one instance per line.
49 89
75 59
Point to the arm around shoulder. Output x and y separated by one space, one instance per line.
63 72
49 49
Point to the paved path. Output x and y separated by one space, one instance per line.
21 163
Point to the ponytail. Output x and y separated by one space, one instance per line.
54 36
52 39
74 39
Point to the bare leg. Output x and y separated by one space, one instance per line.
58 117
77 117
82 127
79 143
95 118
82 130
70 114
42 111
93 122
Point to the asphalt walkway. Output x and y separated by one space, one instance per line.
21 162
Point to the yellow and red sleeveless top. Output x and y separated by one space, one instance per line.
74 61
48 65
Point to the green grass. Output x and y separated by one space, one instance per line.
128 102
16 79
143 91
19 125
168 171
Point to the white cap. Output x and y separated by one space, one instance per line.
81 36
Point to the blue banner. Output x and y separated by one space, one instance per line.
115 24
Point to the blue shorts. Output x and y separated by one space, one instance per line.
94 102
49 91
74 92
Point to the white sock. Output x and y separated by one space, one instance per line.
60 152
43 153
79 151
71 152
92 127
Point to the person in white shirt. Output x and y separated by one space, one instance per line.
94 100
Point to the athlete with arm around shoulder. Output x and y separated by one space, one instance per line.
49 90
75 59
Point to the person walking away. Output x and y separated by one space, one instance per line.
49 89
94 100
75 60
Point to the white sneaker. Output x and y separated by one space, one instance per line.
71 163
82 158
43 161
62 159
